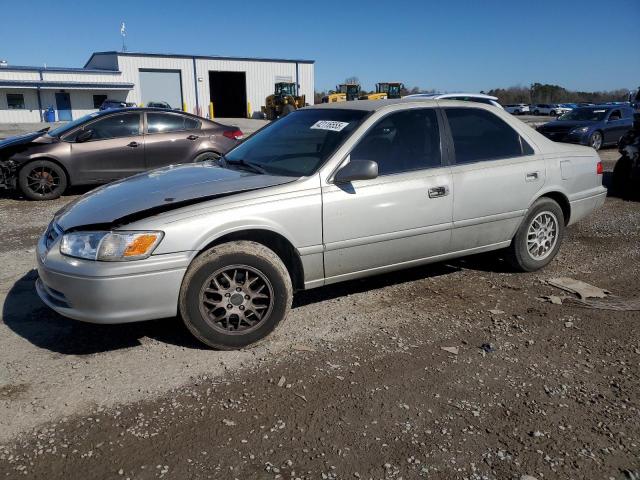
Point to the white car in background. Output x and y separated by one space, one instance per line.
552 109
467 97
517 108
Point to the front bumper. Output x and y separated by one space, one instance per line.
110 292
567 137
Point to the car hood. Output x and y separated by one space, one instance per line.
565 125
24 139
157 191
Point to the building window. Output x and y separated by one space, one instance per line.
98 100
15 101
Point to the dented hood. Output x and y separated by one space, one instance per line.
23 139
158 191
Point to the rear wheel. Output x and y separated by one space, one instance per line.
552 113
536 112
595 140
539 237
206 156
235 294
42 180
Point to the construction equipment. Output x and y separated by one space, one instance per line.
345 92
274 103
385 90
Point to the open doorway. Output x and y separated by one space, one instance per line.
229 94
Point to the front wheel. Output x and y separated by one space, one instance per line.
235 294
595 140
42 180
539 237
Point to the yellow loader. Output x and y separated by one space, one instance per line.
274 103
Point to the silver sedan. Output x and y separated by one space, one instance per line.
327 194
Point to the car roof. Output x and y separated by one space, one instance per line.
454 94
148 109
375 105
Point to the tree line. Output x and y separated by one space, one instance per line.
535 93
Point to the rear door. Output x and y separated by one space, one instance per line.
495 176
171 138
399 217
114 150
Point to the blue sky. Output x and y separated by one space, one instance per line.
447 45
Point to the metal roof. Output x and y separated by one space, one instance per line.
44 84
372 105
57 69
200 57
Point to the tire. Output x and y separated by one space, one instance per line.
202 300
552 113
622 172
206 156
42 180
596 140
536 112
518 253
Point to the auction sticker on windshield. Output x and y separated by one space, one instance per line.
331 125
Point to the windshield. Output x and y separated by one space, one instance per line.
299 143
585 114
67 127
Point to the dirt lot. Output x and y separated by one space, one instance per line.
354 385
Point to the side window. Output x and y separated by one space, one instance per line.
615 115
480 135
116 126
15 101
401 142
162 123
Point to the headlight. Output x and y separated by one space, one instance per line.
110 246
579 130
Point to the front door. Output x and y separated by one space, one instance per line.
495 176
399 218
171 138
114 149
63 105
616 126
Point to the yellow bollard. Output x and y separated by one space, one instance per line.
184 106
248 109
141 105
211 110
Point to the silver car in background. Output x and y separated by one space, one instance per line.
326 194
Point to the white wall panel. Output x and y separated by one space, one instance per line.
30 112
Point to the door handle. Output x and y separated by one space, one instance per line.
133 144
192 137
436 192
532 176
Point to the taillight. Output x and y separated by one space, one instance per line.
235 134
599 168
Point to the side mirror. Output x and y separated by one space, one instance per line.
84 136
357 170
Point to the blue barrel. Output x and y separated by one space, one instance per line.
50 115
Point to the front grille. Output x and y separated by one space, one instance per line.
52 233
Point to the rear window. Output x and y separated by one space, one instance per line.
479 135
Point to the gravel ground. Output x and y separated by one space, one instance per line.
355 384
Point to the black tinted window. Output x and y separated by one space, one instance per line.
162 122
402 141
480 135
115 126
98 100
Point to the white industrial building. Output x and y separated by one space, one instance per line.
235 87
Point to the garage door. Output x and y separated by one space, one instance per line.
161 86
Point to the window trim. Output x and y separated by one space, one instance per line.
444 157
175 114
102 117
24 103
453 159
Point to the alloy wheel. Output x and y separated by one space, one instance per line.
43 180
542 235
236 299
596 140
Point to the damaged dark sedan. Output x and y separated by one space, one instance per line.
105 146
